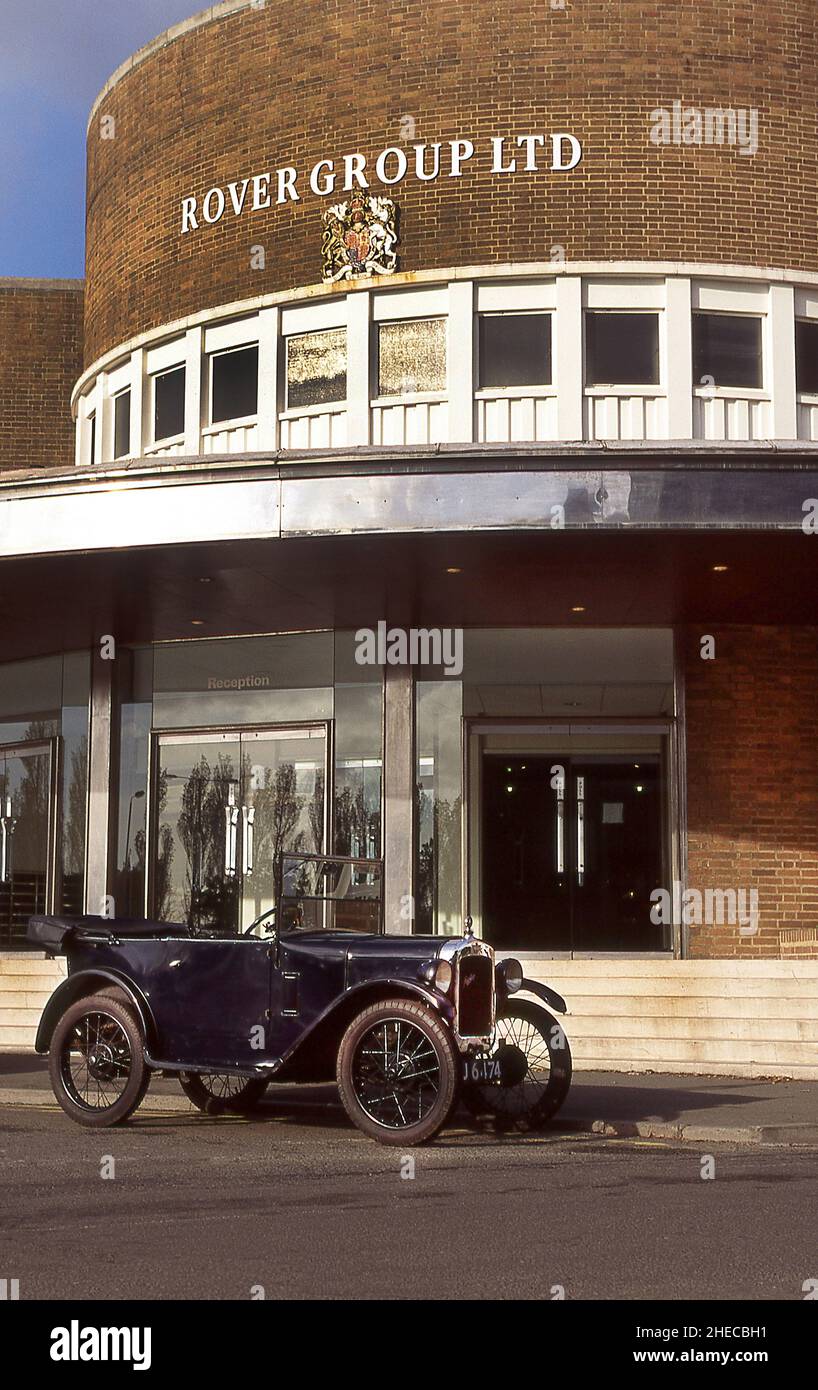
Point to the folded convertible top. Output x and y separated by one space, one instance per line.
53 933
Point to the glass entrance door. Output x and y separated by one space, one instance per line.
26 834
224 808
571 849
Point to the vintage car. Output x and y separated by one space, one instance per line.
314 991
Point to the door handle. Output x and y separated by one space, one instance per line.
7 824
231 830
561 828
248 814
580 830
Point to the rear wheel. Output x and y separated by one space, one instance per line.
535 1065
217 1093
97 1063
398 1072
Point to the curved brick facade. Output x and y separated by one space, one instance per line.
256 89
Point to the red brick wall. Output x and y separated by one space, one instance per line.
752 768
40 360
289 84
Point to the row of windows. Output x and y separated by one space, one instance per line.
514 350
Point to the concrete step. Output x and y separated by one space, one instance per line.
702 988
717 1028
656 1053
27 1000
610 967
21 984
29 963
17 1037
21 1018
759 1007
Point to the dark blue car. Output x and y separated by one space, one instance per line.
314 991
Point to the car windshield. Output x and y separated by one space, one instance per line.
326 893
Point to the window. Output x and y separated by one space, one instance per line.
622 349
234 384
806 355
92 430
727 350
412 357
316 368
169 404
515 350
122 424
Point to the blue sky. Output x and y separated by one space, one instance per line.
55 55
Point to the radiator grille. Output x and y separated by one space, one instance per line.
475 996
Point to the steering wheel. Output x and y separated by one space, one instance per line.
263 925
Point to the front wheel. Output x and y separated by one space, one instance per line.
398 1072
97 1063
221 1094
535 1067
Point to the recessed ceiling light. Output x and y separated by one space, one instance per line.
578 608
720 569
205 579
454 569
197 622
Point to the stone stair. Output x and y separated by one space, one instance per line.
27 978
725 1017
702 1017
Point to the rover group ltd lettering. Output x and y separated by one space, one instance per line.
559 153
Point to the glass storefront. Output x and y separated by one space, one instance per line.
44 708
231 752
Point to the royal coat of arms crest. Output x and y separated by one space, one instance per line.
359 238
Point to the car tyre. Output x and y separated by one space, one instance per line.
398 1072
96 1062
221 1094
533 1101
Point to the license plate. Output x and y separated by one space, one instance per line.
481 1070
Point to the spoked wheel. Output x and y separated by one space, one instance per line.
535 1066
96 1062
398 1072
217 1093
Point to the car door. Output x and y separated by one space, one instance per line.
211 1000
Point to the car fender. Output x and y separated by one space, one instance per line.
550 996
367 992
87 982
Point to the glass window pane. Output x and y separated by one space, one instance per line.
439 714
622 349
169 404
122 425
727 349
316 368
412 357
515 350
806 347
92 421
235 384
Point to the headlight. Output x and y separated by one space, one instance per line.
443 976
438 974
511 973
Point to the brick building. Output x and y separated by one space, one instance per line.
566 443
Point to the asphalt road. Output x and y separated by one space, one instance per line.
301 1204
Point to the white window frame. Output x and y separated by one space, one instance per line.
409 397
541 388
625 388
295 412
234 420
166 439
